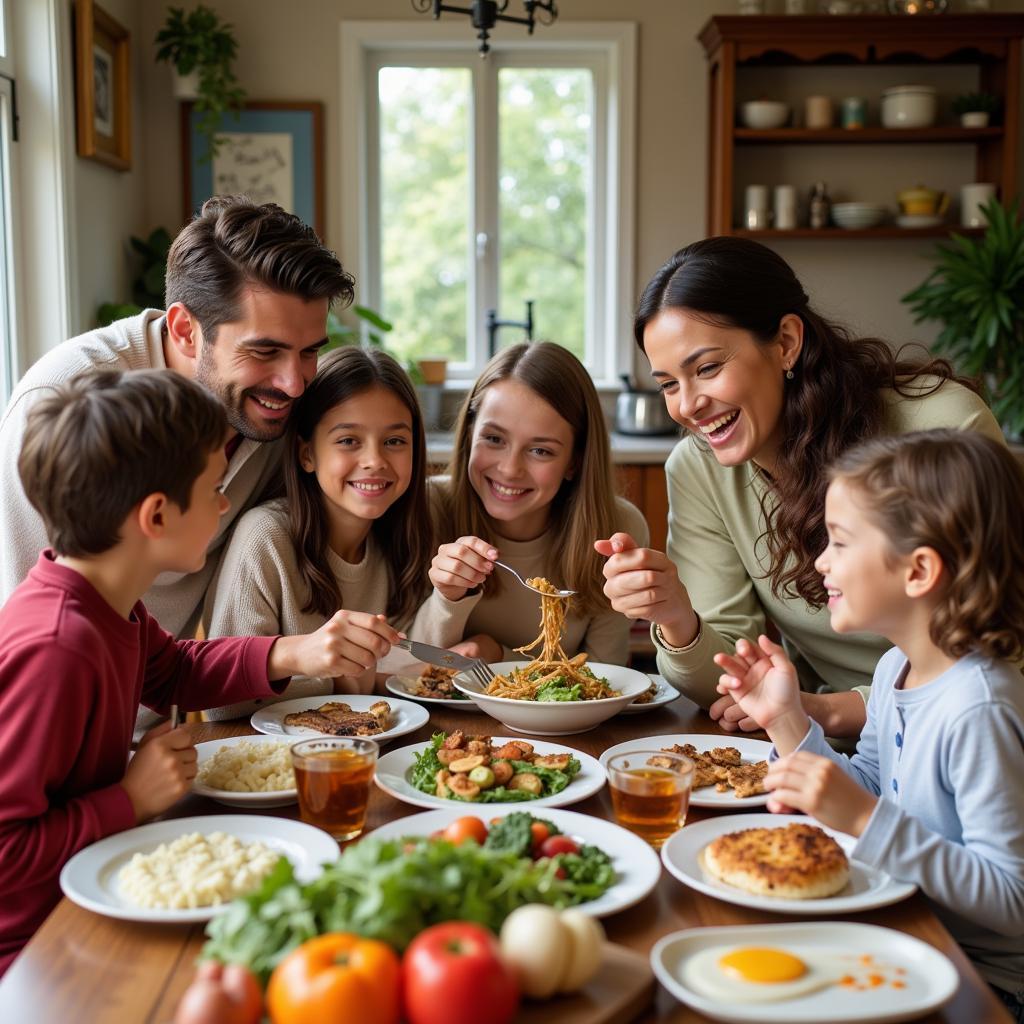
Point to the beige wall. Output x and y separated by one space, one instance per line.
291 51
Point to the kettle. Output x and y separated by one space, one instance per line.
642 412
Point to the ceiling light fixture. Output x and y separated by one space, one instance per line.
487 13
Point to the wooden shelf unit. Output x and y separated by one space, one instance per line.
992 42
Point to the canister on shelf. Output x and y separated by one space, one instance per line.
820 205
785 207
756 203
854 110
818 112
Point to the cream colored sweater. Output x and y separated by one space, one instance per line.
714 524
259 592
512 616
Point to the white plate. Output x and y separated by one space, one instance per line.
393 769
249 801
665 694
406 717
635 863
558 717
931 979
867 888
90 877
398 685
707 796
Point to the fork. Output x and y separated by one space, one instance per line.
481 672
536 590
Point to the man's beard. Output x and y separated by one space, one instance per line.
233 401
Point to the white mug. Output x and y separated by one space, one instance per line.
972 198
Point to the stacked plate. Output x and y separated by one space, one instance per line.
856 216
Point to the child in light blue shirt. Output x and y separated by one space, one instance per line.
925 549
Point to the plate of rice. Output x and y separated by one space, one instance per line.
246 771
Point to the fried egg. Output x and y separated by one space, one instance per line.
759 974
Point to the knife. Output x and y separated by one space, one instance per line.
438 655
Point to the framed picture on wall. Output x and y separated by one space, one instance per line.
102 87
272 152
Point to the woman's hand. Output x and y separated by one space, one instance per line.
643 584
347 644
481 646
819 787
461 566
763 683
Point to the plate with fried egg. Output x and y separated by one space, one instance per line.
842 972
863 886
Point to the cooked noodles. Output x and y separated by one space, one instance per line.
553 676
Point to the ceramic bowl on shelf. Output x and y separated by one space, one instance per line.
908 106
762 114
857 216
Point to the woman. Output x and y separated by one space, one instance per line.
772 393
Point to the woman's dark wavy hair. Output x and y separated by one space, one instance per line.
834 401
403 533
959 493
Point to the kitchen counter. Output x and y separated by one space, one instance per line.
627 449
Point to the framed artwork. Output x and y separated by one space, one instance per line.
103 112
272 152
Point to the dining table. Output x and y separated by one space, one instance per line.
84 967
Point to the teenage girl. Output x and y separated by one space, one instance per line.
530 483
350 533
925 549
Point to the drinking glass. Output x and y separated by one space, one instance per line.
650 799
333 777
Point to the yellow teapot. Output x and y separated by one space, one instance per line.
921 201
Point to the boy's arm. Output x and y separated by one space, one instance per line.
47 700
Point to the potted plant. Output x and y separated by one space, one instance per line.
976 291
975 109
199 45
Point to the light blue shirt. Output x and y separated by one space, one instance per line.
947 758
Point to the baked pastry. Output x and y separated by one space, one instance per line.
794 862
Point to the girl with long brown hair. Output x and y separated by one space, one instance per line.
530 482
771 392
352 532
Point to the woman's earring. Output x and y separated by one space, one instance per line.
789 375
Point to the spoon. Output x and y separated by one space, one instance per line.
536 590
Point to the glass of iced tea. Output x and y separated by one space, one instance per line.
650 799
333 777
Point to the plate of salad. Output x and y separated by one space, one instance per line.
456 768
405 876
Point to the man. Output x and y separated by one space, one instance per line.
248 289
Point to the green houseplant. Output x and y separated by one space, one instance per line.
976 291
975 109
199 42
148 286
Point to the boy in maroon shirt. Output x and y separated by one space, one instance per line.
125 469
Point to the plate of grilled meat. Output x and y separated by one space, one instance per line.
344 714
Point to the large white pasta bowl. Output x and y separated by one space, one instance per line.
557 718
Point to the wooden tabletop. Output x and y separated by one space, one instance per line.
86 968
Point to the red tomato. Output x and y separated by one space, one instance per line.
452 973
554 845
462 829
221 994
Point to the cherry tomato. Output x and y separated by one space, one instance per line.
554 845
453 973
462 829
538 832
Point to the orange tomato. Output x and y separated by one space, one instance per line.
462 829
539 831
338 977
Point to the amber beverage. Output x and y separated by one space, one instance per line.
333 777
650 800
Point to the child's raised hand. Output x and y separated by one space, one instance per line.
642 583
763 682
461 566
161 772
819 787
347 644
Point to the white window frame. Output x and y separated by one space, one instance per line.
367 45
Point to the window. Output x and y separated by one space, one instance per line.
483 184
8 336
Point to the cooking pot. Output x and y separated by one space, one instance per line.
642 412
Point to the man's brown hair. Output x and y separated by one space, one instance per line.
960 493
100 444
233 242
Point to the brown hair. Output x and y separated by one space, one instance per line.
584 507
100 444
960 493
233 242
403 532
835 399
